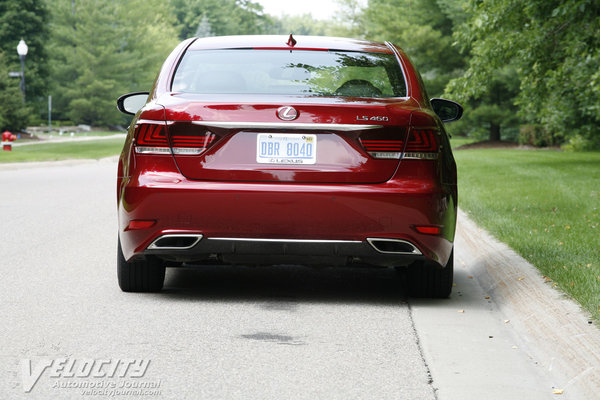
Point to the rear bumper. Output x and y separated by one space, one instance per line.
284 251
270 223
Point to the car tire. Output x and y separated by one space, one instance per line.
145 275
428 279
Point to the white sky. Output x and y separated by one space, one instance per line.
320 9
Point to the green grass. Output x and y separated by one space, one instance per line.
89 149
457 141
543 204
55 135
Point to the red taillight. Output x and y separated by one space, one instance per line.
374 146
151 137
388 143
190 139
156 137
422 144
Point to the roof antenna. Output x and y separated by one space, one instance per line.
291 41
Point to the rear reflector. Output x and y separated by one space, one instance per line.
151 138
140 224
429 230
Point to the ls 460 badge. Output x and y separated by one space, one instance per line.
374 118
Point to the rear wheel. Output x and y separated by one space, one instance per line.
430 280
145 275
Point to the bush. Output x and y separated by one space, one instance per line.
580 143
535 135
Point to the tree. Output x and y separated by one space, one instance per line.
101 49
492 114
554 48
28 20
226 17
13 113
421 28
424 29
204 29
300 25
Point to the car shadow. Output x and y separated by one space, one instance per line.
287 283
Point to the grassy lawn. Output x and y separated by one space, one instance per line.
458 141
543 204
91 149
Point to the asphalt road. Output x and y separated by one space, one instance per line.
227 332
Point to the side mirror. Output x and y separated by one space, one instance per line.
447 110
131 103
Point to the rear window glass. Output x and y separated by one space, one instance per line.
298 72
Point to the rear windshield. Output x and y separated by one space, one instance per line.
298 72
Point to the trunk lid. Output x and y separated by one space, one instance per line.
245 140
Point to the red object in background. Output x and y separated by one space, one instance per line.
7 138
363 175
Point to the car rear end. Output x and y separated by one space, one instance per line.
277 153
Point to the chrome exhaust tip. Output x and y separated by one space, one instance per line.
393 246
175 241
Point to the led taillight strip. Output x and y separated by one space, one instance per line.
151 135
422 140
383 145
191 141
422 144
151 138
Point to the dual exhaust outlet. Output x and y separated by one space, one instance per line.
393 246
177 241
185 241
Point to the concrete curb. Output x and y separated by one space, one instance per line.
555 328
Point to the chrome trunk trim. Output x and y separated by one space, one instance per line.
284 240
285 125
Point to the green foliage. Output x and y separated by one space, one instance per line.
535 135
580 143
423 29
13 113
204 29
225 17
554 47
491 114
101 49
27 20
300 25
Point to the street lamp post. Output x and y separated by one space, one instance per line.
22 51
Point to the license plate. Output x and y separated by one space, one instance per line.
281 148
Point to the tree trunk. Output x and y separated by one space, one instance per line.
494 132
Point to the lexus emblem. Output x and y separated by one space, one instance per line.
287 113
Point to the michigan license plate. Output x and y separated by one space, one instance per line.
281 148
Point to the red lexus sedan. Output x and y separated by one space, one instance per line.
268 150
